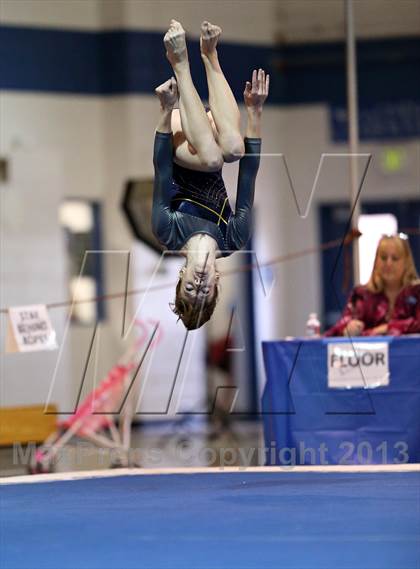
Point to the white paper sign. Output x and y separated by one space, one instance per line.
358 365
30 329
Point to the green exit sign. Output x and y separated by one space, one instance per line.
393 160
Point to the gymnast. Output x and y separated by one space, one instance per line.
191 211
390 302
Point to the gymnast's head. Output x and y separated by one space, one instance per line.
196 294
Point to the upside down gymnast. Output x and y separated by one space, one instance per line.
191 210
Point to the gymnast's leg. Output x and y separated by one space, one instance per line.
205 154
224 108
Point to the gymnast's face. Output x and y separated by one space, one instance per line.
198 282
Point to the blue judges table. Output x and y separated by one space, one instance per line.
306 422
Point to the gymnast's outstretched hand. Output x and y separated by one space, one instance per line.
167 94
255 95
256 92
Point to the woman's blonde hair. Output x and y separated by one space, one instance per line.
410 276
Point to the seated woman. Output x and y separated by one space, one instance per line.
191 211
389 304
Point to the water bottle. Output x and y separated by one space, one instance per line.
313 326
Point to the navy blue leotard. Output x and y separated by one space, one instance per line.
187 202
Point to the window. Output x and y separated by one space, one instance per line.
80 220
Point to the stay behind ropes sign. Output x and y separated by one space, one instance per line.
29 329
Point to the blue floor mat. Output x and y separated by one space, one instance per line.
208 521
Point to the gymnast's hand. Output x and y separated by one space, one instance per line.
256 92
167 94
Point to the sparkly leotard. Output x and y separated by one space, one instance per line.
187 202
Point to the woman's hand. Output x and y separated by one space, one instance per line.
256 92
167 94
354 328
381 330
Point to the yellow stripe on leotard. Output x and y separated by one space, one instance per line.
219 215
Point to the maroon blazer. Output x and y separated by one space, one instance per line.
372 309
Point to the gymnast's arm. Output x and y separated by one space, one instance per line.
254 97
162 161
240 225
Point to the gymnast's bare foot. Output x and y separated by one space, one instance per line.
209 37
176 47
